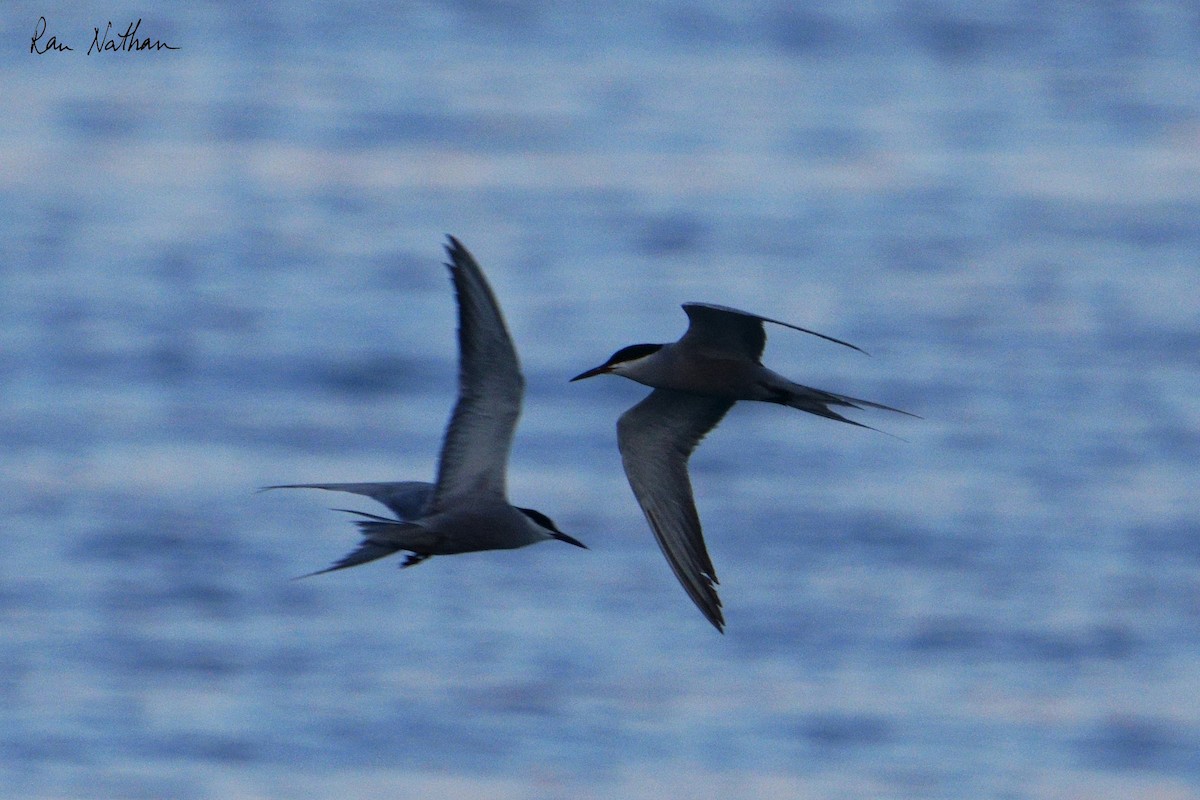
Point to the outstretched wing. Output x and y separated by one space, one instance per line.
490 386
720 328
406 499
656 438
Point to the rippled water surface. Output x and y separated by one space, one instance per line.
220 270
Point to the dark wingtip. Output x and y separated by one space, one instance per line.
761 318
455 251
715 618
835 341
715 615
828 338
262 489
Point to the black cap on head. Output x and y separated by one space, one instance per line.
547 523
631 353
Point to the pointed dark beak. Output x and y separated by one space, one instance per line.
603 369
562 537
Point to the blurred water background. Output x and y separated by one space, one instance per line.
220 269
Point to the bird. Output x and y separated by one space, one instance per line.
466 509
696 380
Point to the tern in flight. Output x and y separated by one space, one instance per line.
467 509
696 380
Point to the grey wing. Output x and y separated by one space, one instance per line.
656 438
723 328
479 437
406 499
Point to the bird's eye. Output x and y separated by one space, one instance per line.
539 518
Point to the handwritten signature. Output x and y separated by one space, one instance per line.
127 42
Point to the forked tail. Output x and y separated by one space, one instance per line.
381 537
818 401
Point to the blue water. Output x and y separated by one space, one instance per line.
220 269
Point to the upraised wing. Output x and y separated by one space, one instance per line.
490 387
720 328
656 438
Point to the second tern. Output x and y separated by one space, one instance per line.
696 380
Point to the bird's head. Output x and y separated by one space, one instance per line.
621 361
548 527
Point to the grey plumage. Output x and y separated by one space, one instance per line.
696 381
466 509
656 437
